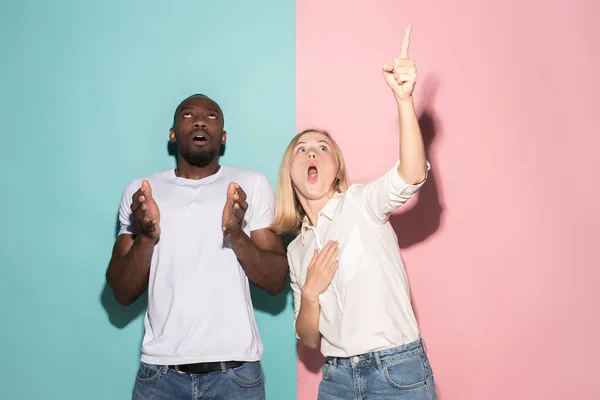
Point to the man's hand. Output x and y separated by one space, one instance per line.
234 210
129 266
401 75
262 254
146 211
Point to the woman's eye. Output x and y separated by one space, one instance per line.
323 148
300 150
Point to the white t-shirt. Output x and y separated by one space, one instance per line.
199 306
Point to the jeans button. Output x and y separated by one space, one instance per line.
356 359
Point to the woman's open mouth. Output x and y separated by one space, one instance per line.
313 174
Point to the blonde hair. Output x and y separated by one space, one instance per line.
288 210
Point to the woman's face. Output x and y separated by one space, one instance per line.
314 166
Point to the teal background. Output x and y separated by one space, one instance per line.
88 90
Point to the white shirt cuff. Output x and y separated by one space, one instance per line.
398 184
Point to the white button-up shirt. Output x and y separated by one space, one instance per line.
367 306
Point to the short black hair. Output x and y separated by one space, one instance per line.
203 96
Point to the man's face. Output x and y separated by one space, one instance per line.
198 130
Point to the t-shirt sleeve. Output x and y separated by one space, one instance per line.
127 223
262 208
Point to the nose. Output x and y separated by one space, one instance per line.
312 155
200 124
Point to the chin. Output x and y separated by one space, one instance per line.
199 158
313 193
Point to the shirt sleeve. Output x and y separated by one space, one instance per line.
295 292
127 222
262 208
387 193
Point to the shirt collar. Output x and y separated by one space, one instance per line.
328 211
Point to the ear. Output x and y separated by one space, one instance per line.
223 137
172 136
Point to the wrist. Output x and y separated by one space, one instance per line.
309 297
147 240
234 235
404 101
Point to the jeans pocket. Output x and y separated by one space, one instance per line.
247 375
327 370
406 374
148 373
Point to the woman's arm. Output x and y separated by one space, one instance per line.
382 196
320 272
401 77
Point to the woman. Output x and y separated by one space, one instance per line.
350 289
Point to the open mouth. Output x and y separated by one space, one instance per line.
313 174
200 139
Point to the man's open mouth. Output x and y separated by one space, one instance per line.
200 139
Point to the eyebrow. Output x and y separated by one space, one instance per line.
208 108
318 141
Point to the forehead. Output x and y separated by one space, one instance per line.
311 137
199 102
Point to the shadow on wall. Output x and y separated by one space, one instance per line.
416 224
263 301
419 222
118 315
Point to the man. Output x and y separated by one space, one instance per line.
193 237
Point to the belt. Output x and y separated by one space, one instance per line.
200 368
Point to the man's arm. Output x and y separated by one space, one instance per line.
129 267
262 255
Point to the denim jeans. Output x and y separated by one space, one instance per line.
154 382
401 373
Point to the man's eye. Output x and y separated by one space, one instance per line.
212 116
186 115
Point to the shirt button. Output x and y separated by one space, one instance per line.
356 359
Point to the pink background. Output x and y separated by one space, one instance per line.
501 244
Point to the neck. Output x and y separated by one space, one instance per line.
312 208
188 171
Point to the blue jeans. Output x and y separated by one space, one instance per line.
154 382
401 373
